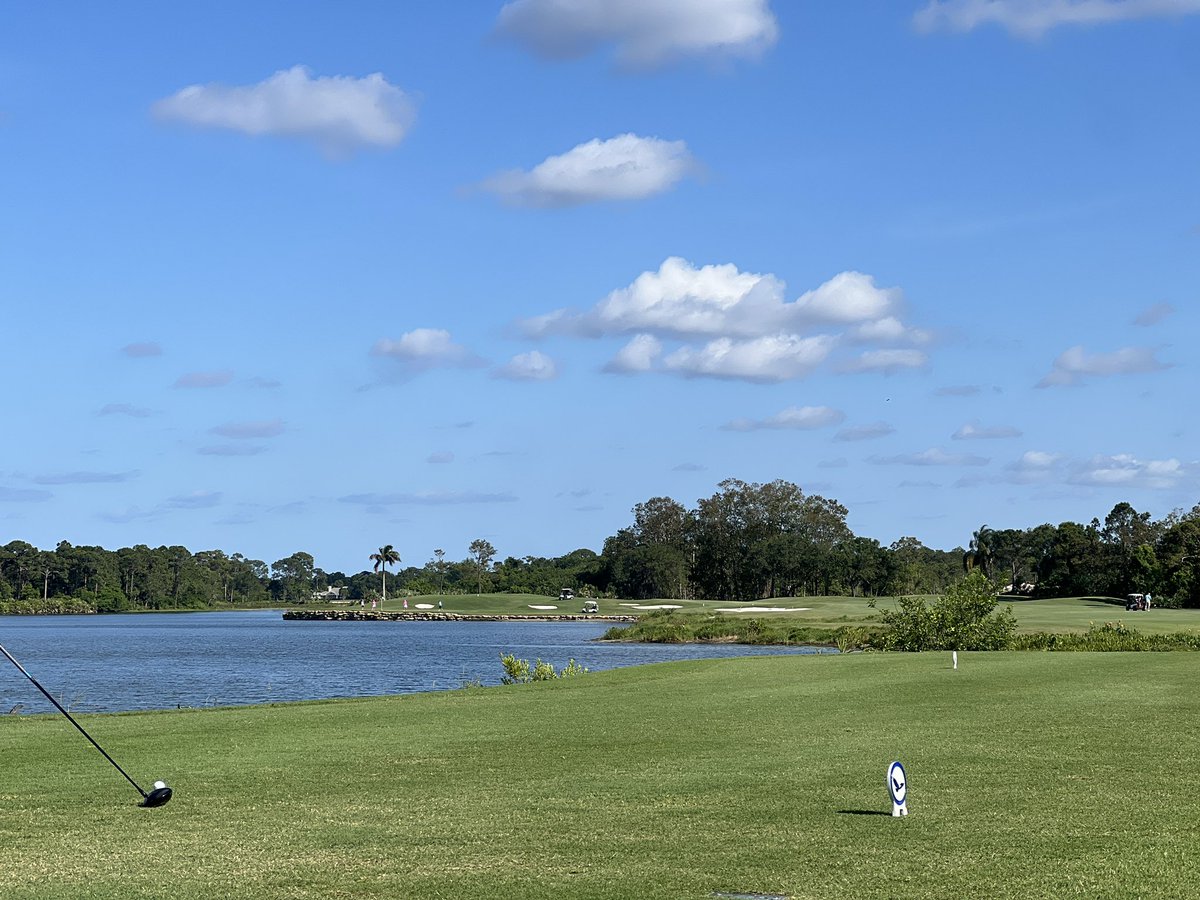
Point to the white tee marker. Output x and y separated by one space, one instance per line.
897 782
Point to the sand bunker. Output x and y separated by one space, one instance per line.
424 606
768 609
531 606
659 606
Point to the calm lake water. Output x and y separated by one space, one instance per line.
115 663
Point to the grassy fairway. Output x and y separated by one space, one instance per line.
495 604
1065 614
1031 775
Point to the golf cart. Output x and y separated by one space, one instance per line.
591 606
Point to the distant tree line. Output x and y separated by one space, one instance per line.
746 542
758 541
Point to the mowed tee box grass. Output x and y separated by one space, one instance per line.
1030 775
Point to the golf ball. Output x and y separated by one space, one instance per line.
159 784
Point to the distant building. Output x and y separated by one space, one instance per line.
330 595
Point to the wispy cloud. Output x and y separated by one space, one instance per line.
1152 315
935 456
142 350
958 390
249 430
801 418
85 478
888 361
125 409
204 379
643 32
196 500
23 495
428 498
626 167
973 431
1075 365
864 432
1033 18
440 457
231 450
338 113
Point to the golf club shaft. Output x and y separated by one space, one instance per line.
71 719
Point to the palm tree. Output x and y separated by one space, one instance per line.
387 556
980 551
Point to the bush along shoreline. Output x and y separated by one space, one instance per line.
966 617
54 606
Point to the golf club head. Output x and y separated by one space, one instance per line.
157 797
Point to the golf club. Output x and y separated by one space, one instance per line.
157 797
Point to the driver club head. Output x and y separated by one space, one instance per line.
157 797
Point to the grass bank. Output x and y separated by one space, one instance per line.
852 621
1031 775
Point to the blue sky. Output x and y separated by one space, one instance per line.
315 276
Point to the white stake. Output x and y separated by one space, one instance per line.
954 654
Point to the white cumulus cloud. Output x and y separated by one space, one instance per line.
531 366
846 299
767 359
636 356
794 417
727 323
1075 364
888 330
339 113
626 167
681 300
1033 18
1126 470
425 348
643 32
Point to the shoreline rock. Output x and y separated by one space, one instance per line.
375 615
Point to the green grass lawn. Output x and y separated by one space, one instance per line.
495 604
1031 775
1063 614
1079 613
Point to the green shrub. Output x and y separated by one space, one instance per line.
519 671
964 618
1111 636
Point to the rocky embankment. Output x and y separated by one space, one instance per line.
372 615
